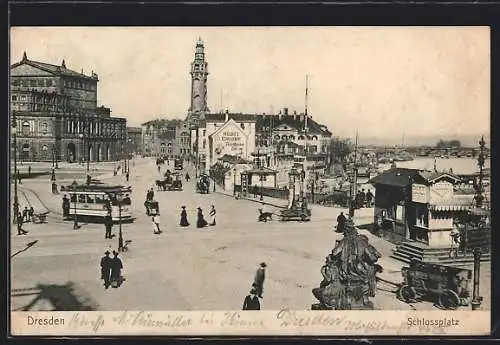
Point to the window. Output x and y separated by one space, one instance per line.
14 98
24 83
48 82
204 143
15 82
32 82
301 137
204 132
73 197
283 137
82 198
44 128
25 127
291 137
90 199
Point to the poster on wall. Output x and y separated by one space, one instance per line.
420 193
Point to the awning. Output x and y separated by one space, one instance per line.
448 208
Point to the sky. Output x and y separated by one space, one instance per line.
382 82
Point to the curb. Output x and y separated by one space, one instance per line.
253 200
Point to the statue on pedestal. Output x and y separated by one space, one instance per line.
349 273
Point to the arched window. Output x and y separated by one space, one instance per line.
44 128
301 137
291 137
25 127
314 137
283 137
277 137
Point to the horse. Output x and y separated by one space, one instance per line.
265 216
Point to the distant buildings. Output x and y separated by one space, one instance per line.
167 138
134 139
57 117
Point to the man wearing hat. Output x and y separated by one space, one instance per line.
251 301
258 282
106 268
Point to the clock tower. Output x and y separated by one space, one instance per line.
199 74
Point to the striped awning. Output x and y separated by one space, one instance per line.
448 208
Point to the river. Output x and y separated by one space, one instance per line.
464 165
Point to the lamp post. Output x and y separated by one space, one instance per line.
234 182
261 184
119 199
75 223
16 201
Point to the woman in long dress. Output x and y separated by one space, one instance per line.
212 215
201 222
184 222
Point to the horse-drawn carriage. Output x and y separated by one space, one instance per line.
203 184
448 286
177 182
297 211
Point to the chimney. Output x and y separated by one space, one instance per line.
285 110
279 115
295 115
226 117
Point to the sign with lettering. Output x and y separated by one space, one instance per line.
420 193
442 190
230 140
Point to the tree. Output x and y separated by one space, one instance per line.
444 144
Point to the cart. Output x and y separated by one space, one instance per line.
298 211
176 183
448 286
151 207
203 185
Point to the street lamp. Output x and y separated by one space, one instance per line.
292 177
234 182
16 201
119 199
75 223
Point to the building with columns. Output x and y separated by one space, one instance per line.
199 74
56 114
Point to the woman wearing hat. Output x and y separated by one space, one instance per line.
184 222
201 222
212 215
260 275
116 270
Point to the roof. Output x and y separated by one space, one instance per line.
54 69
263 170
163 123
402 177
398 177
221 117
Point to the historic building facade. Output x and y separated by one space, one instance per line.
57 117
163 137
199 74
134 139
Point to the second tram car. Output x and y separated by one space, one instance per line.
94 201
178 164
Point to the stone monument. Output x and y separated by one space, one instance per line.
349 274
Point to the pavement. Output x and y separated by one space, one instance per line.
182 268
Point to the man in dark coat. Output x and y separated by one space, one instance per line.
65 206
106 269
201 222
20 230
258 282
116 270
184 221
108 223
340 222
251 301
25 214
127 176
369 198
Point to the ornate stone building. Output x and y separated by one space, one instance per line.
134 139
57 116
199 74
163 137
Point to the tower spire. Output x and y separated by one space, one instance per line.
199 73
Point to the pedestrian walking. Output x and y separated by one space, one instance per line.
369 198
20 230
31 214
65 206
108 223
260 276
201 222
106 263
255 189
156 223
116 270
341 219
251 301
212 215
25 215
184 221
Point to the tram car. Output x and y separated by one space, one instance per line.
448 286
93 201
